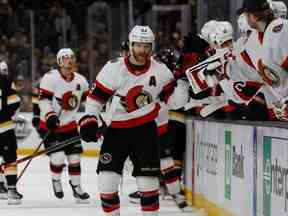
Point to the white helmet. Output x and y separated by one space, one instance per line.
243 25
141 34
65 52
279 8
224 32
3 68
207 29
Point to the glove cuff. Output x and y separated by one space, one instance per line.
87 120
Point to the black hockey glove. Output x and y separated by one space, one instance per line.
52 122
89 129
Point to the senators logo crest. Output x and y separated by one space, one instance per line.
137 98
69 101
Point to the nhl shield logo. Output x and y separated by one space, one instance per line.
105 158
277 28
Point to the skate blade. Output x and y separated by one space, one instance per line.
14 202
80 201
167 197
189 209
3 197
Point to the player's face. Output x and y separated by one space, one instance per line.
251 20
141 52
68 65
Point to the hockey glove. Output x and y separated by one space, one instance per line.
89 129
36 122
52 122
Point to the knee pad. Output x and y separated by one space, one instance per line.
166 163
57 158
147 183
108 182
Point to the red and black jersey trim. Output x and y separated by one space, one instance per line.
247 59
68 128
167 91
100 92
84 95
137 70
45 94
284 65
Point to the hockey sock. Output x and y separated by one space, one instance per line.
108 187
56 164
149 189
11 175
170 175
74 169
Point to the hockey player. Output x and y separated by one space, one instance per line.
140 81
169 180
61 92
270 61
9 103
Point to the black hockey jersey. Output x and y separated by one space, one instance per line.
9 103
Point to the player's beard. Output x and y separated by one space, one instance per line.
140 58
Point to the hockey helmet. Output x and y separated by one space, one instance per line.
243 24
141 34
224 32
208 29
65 52
279 8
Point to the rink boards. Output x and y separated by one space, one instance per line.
237 169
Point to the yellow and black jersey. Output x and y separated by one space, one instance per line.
9 103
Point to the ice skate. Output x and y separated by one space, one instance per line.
79 194
180 201
57 187
14 197
134 197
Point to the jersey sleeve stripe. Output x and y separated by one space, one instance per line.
104 88
100 95
167 91
246 58
45 94
284 65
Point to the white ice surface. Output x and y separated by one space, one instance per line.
39 199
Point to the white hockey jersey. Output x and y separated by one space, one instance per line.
275 56
61 97
140 91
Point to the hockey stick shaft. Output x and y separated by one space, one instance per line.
30 160
55 147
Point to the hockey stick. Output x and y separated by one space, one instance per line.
34 152
52 148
